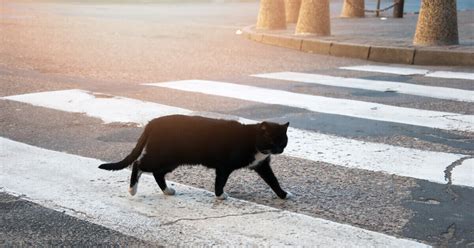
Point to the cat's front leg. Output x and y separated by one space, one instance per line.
221 180
265 172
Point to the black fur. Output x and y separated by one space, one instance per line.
223 145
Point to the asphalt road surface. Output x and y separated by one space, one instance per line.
390 162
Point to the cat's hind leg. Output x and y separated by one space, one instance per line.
160 179
136 173
221 180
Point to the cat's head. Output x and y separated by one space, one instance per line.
271 137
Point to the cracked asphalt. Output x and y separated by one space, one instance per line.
217 217
113 48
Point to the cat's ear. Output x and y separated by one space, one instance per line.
286 124
264 127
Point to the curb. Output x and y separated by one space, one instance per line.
385 54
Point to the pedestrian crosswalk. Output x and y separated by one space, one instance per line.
310 145
302 143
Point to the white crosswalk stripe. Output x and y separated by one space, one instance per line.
387 69
302 143
411 71
451 75
105 107
376 85
52 179
358 109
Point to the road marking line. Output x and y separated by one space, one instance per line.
358 109
411 71
452 75
304 144
105 107
75 185
387 69
463 174
376 85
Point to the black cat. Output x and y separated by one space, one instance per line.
170 141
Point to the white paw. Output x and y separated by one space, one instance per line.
169 191
289 195
223 196
133 190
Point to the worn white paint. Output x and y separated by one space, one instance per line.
375 85
451 75
358 109
411 71
75 185
304 144
387 69
463 174
105 107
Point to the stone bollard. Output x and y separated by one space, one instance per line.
314 18
292 10
271 15
437 23
353 8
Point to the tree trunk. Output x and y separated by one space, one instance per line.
437 24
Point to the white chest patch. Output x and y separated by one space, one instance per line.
259 157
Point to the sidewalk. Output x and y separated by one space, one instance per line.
377 39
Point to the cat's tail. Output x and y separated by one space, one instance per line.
136 152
